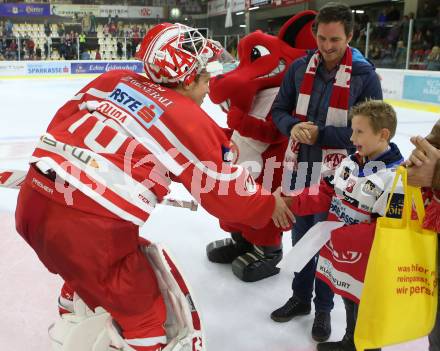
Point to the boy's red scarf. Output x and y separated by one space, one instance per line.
337 114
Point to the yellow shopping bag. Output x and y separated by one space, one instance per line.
399 298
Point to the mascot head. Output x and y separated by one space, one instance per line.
264 60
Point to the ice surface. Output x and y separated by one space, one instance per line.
235 315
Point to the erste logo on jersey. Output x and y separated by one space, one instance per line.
144 110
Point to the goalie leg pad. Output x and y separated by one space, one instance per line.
81 330
258 264
183 325
228 249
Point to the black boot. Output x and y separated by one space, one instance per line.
257 264
292 308
228 249
346 344
322 328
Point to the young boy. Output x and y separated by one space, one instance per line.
356 195
106 160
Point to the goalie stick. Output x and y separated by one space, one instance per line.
13 179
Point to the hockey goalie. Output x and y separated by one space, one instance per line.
107 158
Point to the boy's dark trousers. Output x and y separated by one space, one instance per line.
351 311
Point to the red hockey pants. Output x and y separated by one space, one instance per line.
98 257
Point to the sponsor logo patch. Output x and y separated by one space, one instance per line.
370 188
350 185
345 173
144 110
396 206
351 201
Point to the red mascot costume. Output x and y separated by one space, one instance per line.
246 94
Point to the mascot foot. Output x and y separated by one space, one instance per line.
227 250
257 264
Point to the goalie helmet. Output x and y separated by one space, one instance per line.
175 53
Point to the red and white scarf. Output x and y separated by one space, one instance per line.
337 113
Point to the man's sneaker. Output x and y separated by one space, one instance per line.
322 328
228 249
346 344
292 308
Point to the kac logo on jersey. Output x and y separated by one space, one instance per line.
332 160
144 110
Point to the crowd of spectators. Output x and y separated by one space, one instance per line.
388 38
84 37
112 38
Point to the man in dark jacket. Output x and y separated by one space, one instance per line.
316 133
424 171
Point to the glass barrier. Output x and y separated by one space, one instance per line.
229 42
406 44
412 44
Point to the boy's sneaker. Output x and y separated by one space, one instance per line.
322 328
346 344
292 308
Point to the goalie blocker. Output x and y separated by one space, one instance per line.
85 330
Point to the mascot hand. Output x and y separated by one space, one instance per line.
357 237
235 117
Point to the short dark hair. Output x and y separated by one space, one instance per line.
380 114
335 12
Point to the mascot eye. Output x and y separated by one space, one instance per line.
258 51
